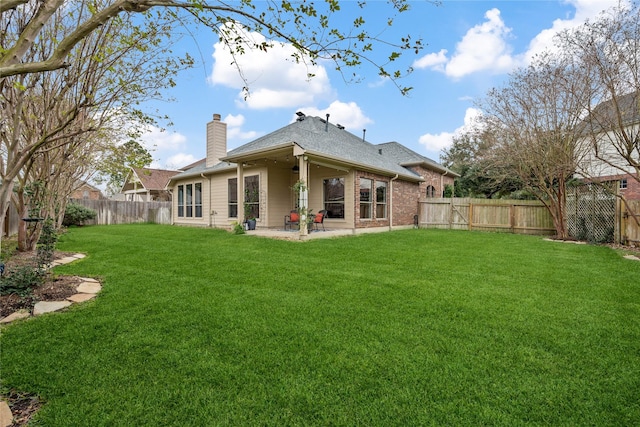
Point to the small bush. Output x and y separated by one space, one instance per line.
46 244
238 228
21 280
76 214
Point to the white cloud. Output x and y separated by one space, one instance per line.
234 128
157 139
432 60
585 10
275 80
179 160
348 114
440 141
485 47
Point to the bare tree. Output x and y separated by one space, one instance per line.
534 120
609 51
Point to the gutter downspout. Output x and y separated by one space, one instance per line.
210 211
391 202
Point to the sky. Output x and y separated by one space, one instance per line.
470 47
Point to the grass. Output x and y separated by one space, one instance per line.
200 327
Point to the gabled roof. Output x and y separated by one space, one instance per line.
407 157
79 184
606 113
323 140
154 179
193 165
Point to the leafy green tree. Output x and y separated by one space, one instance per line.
468 156
55 124
117 162
309 26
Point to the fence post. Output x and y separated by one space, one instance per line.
470 215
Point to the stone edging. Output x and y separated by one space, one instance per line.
629 257
86 290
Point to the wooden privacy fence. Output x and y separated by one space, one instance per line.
111 212
511 216
628 225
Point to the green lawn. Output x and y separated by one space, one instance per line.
198 327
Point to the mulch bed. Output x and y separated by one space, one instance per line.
55 288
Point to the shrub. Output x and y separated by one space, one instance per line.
21 280
76 214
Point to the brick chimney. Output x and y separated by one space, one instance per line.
216 140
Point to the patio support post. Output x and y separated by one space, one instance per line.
304 195
240 175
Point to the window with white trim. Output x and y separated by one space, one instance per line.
623 184
381 199
252 196
190 200
333 191
233 197
366 198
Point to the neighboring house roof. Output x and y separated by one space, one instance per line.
607 113
80 184
193 165
325 140
153 179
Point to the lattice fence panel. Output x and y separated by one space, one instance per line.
591 213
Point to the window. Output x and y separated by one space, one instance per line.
198 199
431 191
366 186
190 200
623 184
381 199
334 197
180 200
252 196
233 197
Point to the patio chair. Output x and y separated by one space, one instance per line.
319 219
292 219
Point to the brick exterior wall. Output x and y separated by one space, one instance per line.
632 192
405 197
405 201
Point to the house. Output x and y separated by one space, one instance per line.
146 185
612 147
84 190
362 186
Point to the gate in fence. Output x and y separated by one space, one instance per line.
629 222
511 216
